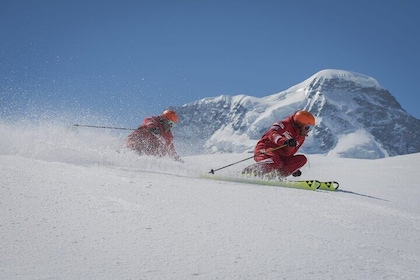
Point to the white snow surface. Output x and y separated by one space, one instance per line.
76 205
357 78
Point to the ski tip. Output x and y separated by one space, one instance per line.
334 185
329 185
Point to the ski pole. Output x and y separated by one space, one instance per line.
107 127
273 149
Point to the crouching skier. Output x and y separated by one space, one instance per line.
275 151
154 136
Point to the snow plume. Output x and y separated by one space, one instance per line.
55 141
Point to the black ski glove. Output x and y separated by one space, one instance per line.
291 142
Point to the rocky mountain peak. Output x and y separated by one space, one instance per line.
356 117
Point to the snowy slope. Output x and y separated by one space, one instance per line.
75 205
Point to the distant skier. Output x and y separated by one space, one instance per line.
275 161
154 137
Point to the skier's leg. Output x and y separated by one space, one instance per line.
292 164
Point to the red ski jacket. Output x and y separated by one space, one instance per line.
151 138
276 136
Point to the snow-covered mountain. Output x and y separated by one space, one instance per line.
352 110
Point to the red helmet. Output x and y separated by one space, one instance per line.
170 115
304 118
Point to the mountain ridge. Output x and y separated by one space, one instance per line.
356 118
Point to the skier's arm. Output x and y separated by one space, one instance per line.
276 134
152 126
279 135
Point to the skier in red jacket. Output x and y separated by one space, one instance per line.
269 154
154 137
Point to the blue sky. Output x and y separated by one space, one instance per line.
130 59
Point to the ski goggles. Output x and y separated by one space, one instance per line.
308 127
171 123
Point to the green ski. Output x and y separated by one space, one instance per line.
301 184
329 186
308 184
